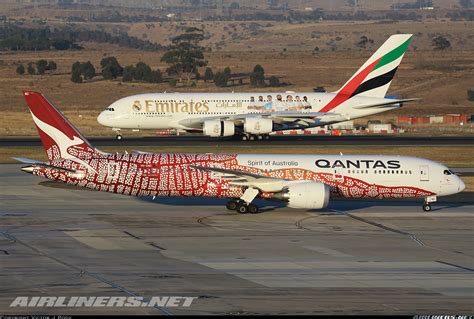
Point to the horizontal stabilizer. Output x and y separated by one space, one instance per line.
390 102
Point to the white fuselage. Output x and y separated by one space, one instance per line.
174 110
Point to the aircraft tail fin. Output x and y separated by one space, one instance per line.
374 76
59 137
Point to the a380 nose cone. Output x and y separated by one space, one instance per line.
462 186
101 119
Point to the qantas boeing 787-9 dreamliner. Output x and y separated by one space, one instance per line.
303 181
253 115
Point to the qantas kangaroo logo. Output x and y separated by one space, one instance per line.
62 141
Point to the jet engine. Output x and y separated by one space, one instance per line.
308 195
217 128
258 125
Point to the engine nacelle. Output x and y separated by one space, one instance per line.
308 195
258 125
217 128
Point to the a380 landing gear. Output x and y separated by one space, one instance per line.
252 137
118 137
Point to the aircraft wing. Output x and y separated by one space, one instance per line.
387 103
239 178
298 119
36 163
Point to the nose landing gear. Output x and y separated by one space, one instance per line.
426 207
427 203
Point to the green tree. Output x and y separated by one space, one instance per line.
128 73
51 66
185 55
142 72
227 71
111 69
257 77
221 79
274 81
31 69
440 43
208 75
155 76
87 70
20 69
76 73
76 77
41 66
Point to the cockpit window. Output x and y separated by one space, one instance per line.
448 172
110 109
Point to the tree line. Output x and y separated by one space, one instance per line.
24 39
39 67
185 57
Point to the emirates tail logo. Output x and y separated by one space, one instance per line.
62 141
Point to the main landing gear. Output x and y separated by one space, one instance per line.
427 203
252 137
244 204
118 137
242 207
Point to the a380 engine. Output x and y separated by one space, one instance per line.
217 128
255 125
308 195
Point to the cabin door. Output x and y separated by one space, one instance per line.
424 173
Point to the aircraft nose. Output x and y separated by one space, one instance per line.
461 186
102 119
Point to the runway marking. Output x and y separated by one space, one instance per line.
393 230
83 272
454 265
131 235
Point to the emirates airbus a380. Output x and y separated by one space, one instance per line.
303 181
253 115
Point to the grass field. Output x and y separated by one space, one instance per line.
440 78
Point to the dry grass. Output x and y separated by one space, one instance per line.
441 79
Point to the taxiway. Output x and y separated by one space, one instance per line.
354 257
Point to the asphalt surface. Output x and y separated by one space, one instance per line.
355 257
274 141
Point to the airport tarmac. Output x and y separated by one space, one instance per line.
354 257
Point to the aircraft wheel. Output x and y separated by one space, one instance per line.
232 204
427 207
252 138
253 209
259 137
267 137
118 137
242 208
244 138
